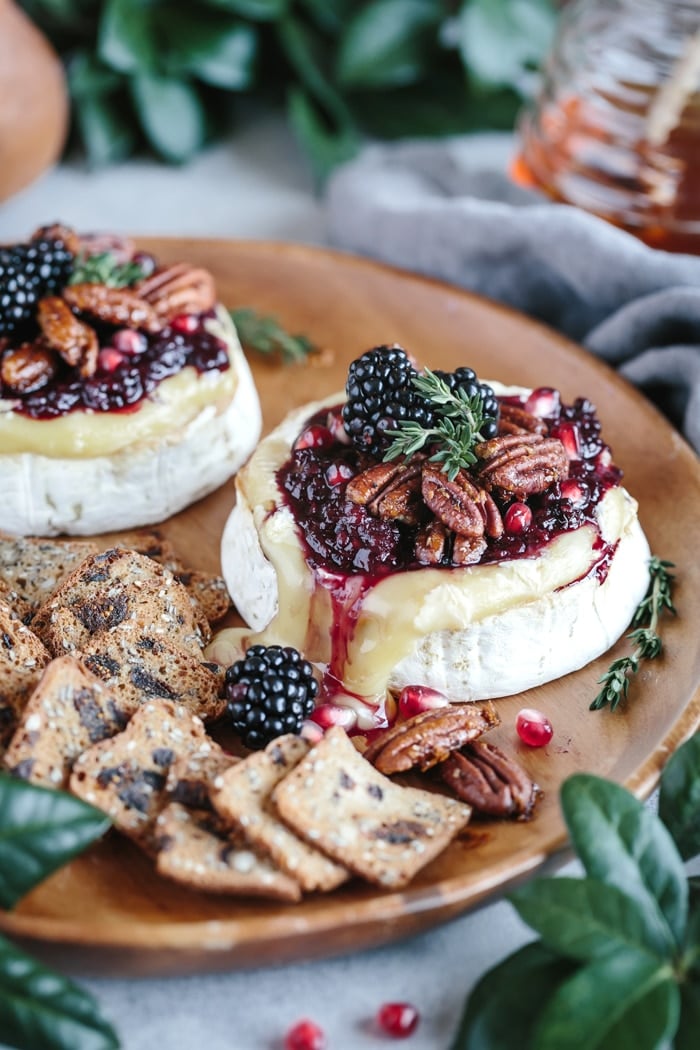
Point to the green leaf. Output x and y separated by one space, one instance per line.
389 43
258 10
305 52
587 919
40 1010
500 39
622 843
679 799
209 46
329 15
40 830
325 145
87 76
105 130
625 1001
127 40
265 335
171 115
503 1007
689 1027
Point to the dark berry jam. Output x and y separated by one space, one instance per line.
123 387
340 536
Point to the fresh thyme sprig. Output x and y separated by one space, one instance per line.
457 429
266 336
646 638
104 268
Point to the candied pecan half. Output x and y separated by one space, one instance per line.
390 491
76 342
491 782
178 289
467 550
28 367
522 464
430 543
118 306
455 503
430 737
513 419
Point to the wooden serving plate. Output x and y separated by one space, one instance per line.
109 912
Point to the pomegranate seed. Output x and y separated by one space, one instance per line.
310 731
186 324
533 727
337 428
145 261
398 1019
569 436
544 401
518 519
306 1035
571 490
109 359
337 473
415 699
129 341
604 458
314 436
327 715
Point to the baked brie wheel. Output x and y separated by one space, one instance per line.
124 392
384 592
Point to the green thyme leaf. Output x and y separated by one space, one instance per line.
265 335
104 268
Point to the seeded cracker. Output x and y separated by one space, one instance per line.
386 833
33 567
22 658
126 776
16 686
241 796
143 667
69 711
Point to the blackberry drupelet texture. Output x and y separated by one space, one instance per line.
28 272
270 692
465 379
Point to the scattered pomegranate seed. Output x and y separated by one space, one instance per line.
569 436
186 324
337 473
327 715
398 1019
604 458
571 490
517 519
337 428
314 436
310 731
109 359
129 341
415 699
544 401
533 727
306 1035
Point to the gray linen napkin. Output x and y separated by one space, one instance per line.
427 208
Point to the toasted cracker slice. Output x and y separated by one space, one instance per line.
195 848
16 686
116 587
143 667
69 711
19 646
241 796
126 776
336 800
190 777
19 605
33 567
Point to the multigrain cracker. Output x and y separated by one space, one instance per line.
241 796
16 686
33 568
69 711
384 832
191 776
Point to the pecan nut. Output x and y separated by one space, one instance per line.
431 543
490 782
117 306
430 737
178 289
27 368
455 503
513 419
390 491
75 341
522 464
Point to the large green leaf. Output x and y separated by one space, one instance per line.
105 129
40 1010
503 1007
40 830
389 43
258 10
305 53
210 46
329 15
688 1033
499 39
87 76
679 799
128 40
621 842
626 1001
587 919
326 146
171 115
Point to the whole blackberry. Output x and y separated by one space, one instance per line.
379 394
270 692
28 272
465 379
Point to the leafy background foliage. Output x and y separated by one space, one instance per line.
168 74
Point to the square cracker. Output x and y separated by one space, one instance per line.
190 776
241 796
33 567
338 801
68 712
196 848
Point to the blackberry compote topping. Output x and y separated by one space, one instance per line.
28 272
270 692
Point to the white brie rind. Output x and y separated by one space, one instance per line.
145 481
473 633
